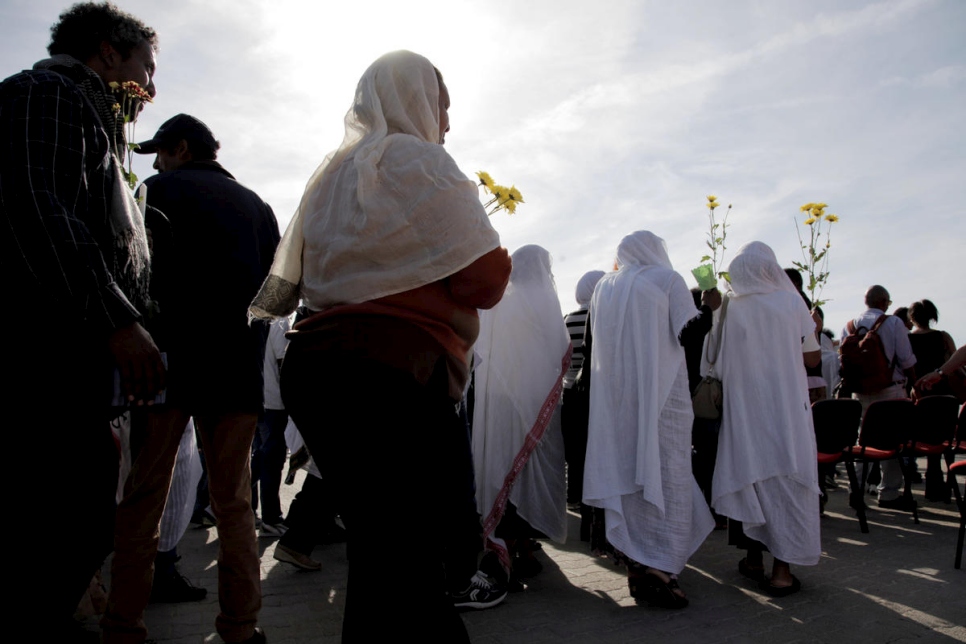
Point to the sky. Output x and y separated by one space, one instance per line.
611 117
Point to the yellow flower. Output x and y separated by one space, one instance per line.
810 221
712 205
486 181
807 207
712 198
510 205
515 194
820 206
832 218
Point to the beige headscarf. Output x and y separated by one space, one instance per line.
388 211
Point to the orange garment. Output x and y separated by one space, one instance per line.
439 319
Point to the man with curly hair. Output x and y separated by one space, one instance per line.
75 262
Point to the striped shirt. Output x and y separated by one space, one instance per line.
576 323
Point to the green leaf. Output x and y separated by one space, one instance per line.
709 245
705 258
133 146
726 275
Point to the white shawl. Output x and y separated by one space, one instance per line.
517 443
387 212
636 315
766 432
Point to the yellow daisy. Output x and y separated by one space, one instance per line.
810 221
832 218
486 181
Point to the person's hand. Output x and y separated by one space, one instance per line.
139 362
819 322
711 298
928 381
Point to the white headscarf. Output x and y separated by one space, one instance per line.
517 443
755 269
643 248
585 287
388 211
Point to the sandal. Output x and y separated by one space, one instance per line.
657 592
754 573
780 591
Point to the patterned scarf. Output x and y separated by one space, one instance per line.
129 260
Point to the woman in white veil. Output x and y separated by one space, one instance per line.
638 466
765 479
391 254
517 443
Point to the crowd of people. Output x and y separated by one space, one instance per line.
426 377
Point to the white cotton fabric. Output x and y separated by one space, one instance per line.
830 364
389 210
638 465
766 475
275 348
522 342
180 503
585 287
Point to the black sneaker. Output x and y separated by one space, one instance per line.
176 589
483 592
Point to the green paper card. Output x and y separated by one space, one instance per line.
704 274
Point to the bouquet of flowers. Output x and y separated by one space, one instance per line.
131 96
503 198
708 275
815 252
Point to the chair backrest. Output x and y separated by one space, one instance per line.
887 424
960 436
836 423
935 420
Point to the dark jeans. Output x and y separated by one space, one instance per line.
268 461
394 452
574 417
310 517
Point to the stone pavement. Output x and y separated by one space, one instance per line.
895 584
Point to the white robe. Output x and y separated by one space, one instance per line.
638 465
766 470
523 342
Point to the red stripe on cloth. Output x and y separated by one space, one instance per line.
529 444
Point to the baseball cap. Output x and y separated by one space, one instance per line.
182 126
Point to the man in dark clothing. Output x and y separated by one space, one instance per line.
211 256
74 259
704 432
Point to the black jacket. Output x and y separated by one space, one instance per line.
212 249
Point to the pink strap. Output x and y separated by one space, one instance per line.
529 444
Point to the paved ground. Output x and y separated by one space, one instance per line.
895 584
